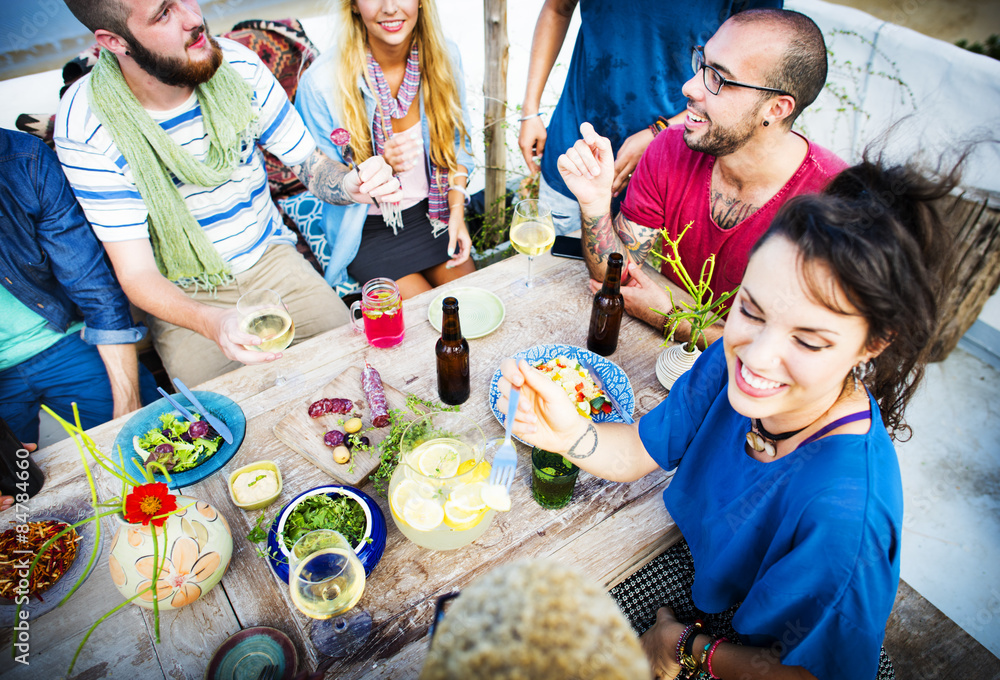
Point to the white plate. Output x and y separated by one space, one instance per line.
479 311
615 380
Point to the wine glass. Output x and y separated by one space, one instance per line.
262 313
531 230
326 579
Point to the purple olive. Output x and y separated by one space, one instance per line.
333 438
169 434
357 440
198 430
186 436
163 448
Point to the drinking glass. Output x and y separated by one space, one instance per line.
381 308
552 478
531 230
326 580
262 313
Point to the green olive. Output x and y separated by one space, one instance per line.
353 425
341 454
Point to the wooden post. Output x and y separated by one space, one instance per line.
495 90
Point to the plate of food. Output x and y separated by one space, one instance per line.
562 364
479 311
189 451
59 569
350 511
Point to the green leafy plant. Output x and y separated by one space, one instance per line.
989 47
703 311
144 501
389 447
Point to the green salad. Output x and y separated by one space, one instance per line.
178 445
339 513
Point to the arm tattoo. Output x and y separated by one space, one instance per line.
580 449
324 177
637 239
601 239
604 236
728 212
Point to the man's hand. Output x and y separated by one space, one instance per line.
642 295
659 643
404 150
459 241
224 329
588 168
374 179
531 139
628 157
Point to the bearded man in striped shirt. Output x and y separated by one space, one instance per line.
160 144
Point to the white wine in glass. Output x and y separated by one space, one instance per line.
531 230
262 313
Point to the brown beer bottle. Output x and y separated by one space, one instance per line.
452 352
606 315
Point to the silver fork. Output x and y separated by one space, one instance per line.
505 461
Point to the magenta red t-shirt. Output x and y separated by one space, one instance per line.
671 186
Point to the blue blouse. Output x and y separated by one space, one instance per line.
809 542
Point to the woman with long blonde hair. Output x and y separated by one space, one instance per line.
396 85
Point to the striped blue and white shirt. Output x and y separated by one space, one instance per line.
238 215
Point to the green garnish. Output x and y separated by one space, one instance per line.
185 454
256 479
339 513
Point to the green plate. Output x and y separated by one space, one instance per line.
479 311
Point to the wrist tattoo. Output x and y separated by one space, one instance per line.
324 177
586 445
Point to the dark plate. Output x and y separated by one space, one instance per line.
224 408
243 655
70 513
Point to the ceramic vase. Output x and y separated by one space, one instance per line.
673 362
194 545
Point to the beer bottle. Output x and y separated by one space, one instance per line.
606 314
452 352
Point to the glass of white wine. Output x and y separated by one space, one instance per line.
531 230
326 580
262 313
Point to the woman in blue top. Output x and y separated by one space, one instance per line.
397 87
787 488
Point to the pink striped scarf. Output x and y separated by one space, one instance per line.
396 107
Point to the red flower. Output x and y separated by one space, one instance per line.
148 501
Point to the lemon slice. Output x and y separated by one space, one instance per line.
496 497
437 459
466 466
482 472
461 519
423 514
406 490
468 497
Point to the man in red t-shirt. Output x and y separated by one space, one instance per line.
727 169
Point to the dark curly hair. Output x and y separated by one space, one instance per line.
879 232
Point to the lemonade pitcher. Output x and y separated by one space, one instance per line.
381 308
438 493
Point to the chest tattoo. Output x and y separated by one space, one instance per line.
728 212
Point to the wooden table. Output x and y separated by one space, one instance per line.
609 530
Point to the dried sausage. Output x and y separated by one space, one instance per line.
371 383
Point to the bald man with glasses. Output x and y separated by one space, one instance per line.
726 170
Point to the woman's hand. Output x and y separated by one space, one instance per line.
459 241
660 644
404 150
545 416
531 139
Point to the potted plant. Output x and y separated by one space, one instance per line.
699 314
167 551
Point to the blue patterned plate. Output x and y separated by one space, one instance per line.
613 376
148 417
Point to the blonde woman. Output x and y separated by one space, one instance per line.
396 85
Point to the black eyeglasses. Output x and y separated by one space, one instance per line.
714 80
439 610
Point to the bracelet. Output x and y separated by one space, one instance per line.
458 174
707 661
529 117
455 187
684 643
654 129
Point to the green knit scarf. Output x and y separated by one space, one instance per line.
183 252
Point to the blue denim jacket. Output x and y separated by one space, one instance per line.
51 260
317 101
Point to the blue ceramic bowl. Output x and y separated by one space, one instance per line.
368 553
148 417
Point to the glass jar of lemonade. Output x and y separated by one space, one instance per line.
436 492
